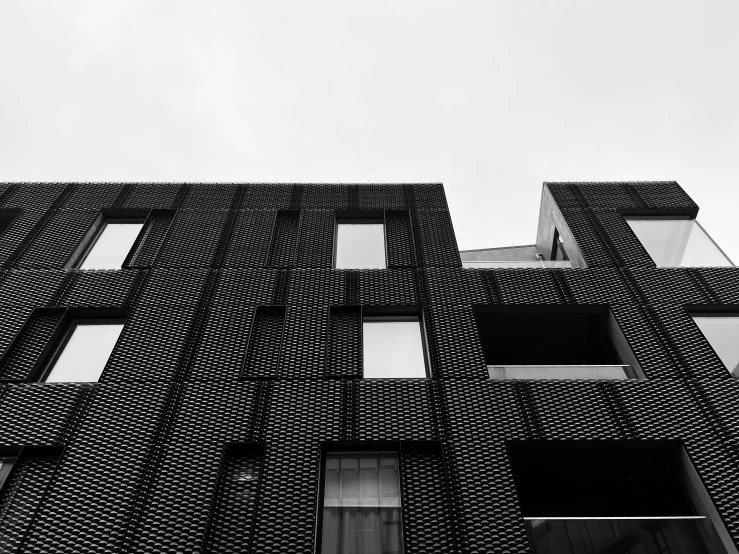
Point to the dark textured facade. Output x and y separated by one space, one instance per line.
241 355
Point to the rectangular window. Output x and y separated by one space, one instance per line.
554 342
677 242
360 241
558 248
590 497
112 245
361 504
6 464
84 351
722 332
393 347
234 508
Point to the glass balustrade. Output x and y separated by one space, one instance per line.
654 535
500 264
544 372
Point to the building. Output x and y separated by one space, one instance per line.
204 368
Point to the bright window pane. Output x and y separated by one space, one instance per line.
112 246
677 243
360 246
393 349
361 506
86 353
723 334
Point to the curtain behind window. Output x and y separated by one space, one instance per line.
361 505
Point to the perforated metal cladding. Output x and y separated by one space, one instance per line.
316 240
143 452
21 496
344 350
25 351
57 240
265 343
149 241
233 514
399 239
425 505
250 239
182 247
284 239
436 235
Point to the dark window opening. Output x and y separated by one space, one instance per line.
596 497
558 248
546 335
7 217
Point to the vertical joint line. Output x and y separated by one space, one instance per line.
702 285
296 197
634 194
282 285
122 196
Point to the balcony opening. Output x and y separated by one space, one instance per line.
554 342
589 497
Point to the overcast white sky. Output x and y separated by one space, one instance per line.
491 97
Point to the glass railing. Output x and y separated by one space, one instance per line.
674 535
542 372
500 264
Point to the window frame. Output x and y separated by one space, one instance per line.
358 217
714 311
359 448
61 335
66 336
7 217
398 313
669 215
557 247
97 229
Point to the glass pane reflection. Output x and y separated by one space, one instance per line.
112 246
86 353
677 243
361 506
723 334
624 536
393 349
360 246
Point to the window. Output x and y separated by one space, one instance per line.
112 246
109 241
393 346
6 464
677 242
554 342
360 241
7 217
722 331
84 351
361 504
558 248
592 497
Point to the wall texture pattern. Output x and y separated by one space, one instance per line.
239 333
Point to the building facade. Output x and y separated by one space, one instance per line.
227 368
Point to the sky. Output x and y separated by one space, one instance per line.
490 97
